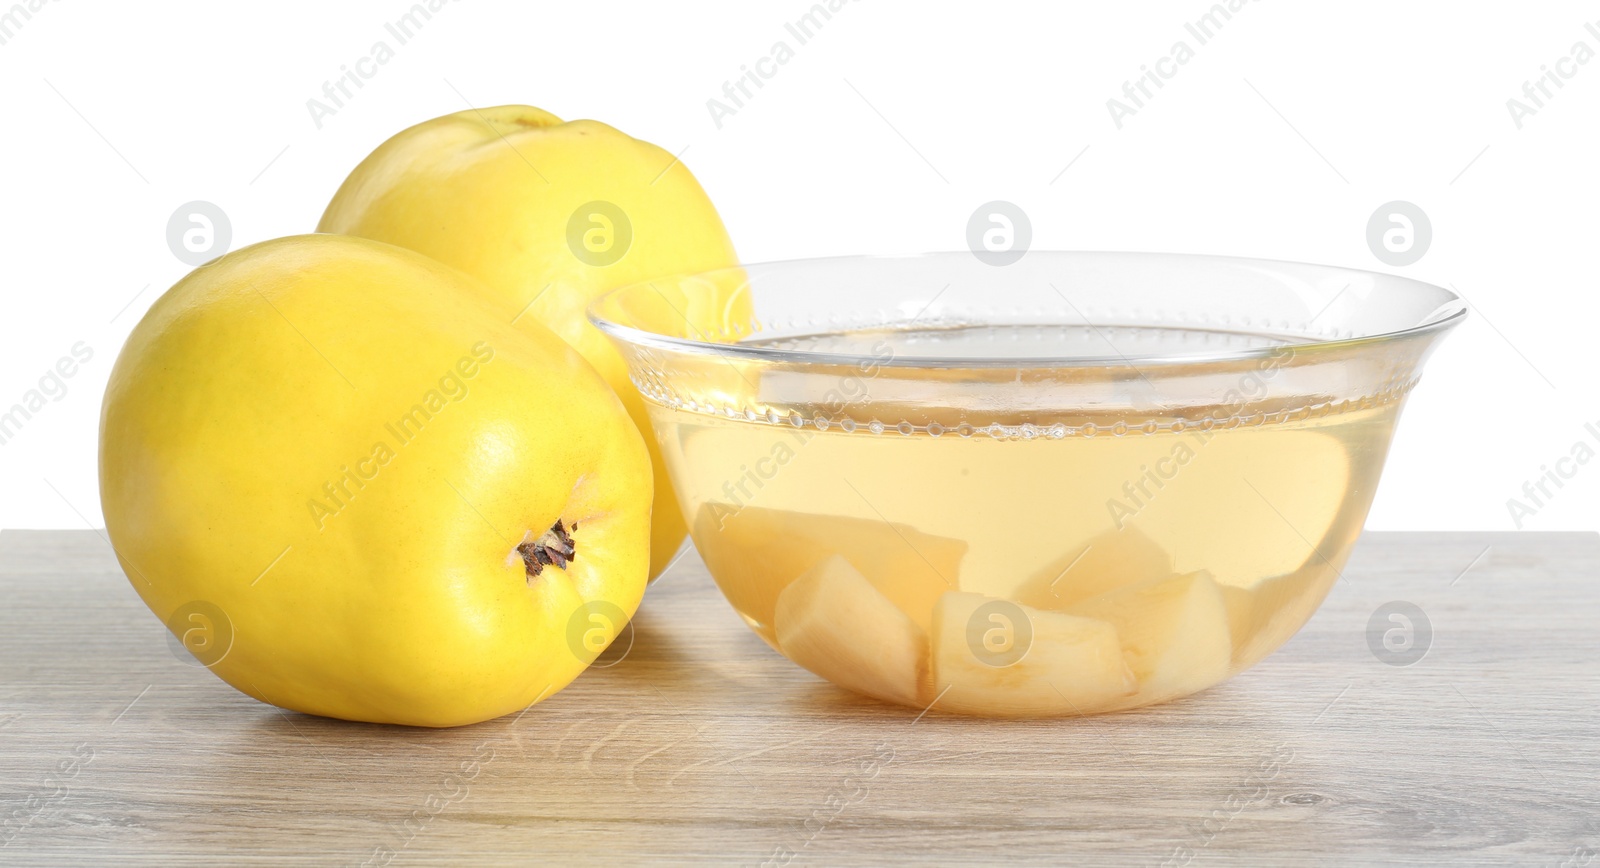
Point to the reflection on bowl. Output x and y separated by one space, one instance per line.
1079 483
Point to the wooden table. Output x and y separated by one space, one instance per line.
701 745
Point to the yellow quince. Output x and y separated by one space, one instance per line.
550 215
353 488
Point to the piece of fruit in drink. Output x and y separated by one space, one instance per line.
755 552
1174 633
1262 617
834 622
1067 665
1112 560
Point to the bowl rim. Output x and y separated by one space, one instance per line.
1447 315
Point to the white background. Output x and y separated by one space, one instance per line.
882 134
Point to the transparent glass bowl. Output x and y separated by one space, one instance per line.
1081 482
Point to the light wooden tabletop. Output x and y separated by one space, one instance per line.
701 745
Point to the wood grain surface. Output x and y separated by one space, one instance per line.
700 745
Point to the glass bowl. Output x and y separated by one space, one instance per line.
1077 483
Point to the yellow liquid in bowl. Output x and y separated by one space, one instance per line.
1029 575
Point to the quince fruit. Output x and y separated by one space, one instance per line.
1115 559
1174 633
354 488
1264 616
995 657
754 553
550 215
834 622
